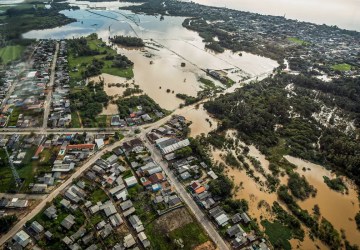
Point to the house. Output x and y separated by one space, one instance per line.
65 203
116 220
136 223
80 147
126 205
50 212
78 234
106 231
246 219
36 227
222 219
22 238
235 230
92 247
129 241
68 222
236 218
108 208
130 181
143 239
48 235
87 238
129 212
156 178
99 143
212 174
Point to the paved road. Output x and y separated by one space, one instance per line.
180 189
52 195
47 104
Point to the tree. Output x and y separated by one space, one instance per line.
221 187
183 152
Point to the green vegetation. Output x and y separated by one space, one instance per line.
24 17
90 56
357 220
266 105
190 235
324 231
75 120
336 184
7 222
128 41
26 170
11 53
215 46
189 100
183 152
148 105
89 101
208 83
54 225
297 41
300 187
221 187
98 195
279 235
289 221
341 67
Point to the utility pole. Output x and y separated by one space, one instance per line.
13 169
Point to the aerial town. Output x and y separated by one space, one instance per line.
176 125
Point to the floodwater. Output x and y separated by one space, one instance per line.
343 13
201 120
157 67
339 209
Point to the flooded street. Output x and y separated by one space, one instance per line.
201 121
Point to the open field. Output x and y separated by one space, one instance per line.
297 41
279 235
341 67
11 53
82 61
176 229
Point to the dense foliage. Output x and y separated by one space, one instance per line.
336 184
221 187
128 41
266 111
126 104
89 101
19 19
6 223
300 187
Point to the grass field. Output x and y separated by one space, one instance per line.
297 41
98 195
11 53
278 234
75 121
81 62
341 67
26 172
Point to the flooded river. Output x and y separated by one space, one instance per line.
158 67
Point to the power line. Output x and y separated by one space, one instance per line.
13 169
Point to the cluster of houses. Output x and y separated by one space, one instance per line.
137 117
196 175
27 98
7 78
60 115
